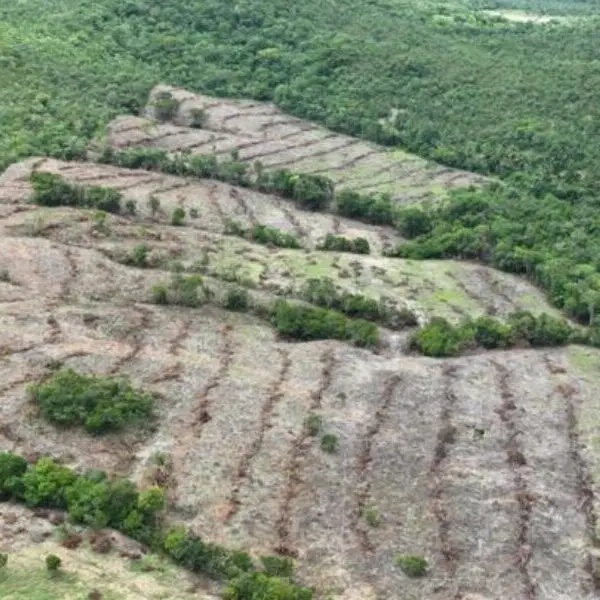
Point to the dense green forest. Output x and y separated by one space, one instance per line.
448 81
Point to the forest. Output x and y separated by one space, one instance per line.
454 83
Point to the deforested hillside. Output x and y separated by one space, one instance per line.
258 132
292 416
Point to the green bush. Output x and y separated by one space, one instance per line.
329 443
260 586
12 467
3 560
178 217
309 323
99 404
138 256
377 209
188 290
413 222
491 333
439 338
159 294
413 566
313 424
339 243
270 235
46 484
52 190
278 566
165 106
53 562
236 298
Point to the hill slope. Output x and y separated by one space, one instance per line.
486 464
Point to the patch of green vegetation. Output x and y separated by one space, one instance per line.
183 290
372 516
440 338
313 424
308 323
53 190
262 234
99 404
413 566
339 243
330 443
96 500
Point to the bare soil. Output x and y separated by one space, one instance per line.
486 465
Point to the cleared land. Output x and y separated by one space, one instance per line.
486 465
261 132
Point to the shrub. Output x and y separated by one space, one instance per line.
99 404
439 338
314 192
413 222
371 515
278 566
178 216
3 560
153 204
139 256
236 298
339 243
193 213
413 566
53 562
46 484
159 294
12 467
188 290
165 106
260 586
130 207
329 443
491 333
270 235
377 209
313 424
197 118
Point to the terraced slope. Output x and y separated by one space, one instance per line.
486 465
261 132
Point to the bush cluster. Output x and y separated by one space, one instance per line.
183 290
95 500
91 499
372 208
263 234
50 189
323 292
311 323
99 404
340 243
440 338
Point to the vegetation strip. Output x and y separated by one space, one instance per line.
95 500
